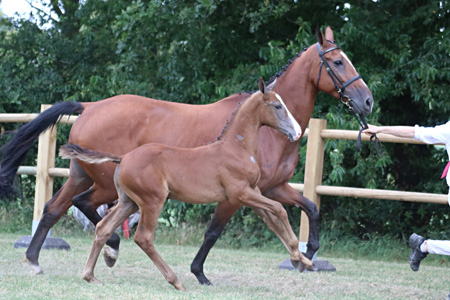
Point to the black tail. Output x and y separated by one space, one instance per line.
15 150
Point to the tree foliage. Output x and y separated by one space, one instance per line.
199 51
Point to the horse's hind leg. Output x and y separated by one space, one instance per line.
144 238
87 203
104 230
78 182
222 215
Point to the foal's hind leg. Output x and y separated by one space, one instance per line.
103 231
144 238
88 202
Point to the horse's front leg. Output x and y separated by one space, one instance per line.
222 215
286 194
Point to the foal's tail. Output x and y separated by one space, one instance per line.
15 150
86 155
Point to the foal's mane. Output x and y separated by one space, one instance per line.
229 120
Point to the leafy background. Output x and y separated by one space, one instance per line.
202 51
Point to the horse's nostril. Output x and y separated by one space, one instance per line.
368 102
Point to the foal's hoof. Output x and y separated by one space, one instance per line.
298 265
91 279
312 268
301 267
179 286
110 255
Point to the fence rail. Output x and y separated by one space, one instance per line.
312 187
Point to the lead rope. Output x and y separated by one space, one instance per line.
373 138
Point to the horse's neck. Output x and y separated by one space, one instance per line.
298 89
242 130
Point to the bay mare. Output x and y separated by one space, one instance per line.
122 123
225 170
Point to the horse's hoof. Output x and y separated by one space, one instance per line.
110 255
203 280
35 268
309 254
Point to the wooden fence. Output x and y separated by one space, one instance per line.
312 187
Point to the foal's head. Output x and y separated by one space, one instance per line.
274 113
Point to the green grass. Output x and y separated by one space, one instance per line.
236 274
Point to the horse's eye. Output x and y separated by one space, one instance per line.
338 63
277 106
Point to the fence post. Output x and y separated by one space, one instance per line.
45 160
313 173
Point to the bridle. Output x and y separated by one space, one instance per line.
340 88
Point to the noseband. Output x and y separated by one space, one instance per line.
338 84
340 88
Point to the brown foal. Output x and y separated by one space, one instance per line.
225 170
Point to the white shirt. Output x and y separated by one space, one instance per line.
436 135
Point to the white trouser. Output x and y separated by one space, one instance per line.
438 247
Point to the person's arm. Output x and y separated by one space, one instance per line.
399 131
434 135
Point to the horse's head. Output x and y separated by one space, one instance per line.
342 80
275 114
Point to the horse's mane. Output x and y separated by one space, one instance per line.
284 68
278 74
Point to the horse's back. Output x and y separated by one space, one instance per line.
122 123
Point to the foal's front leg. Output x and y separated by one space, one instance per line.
254 199
144 237
286 194
274 225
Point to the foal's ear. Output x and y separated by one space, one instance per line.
262 86
319 35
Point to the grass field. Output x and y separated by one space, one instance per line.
236 274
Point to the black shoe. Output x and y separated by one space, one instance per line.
416 256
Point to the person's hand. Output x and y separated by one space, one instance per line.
371 130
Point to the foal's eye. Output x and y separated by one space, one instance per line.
338 63
277 106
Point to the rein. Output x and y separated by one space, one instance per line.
340 88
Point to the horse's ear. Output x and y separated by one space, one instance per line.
319 35
262 86
272 85
329 34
